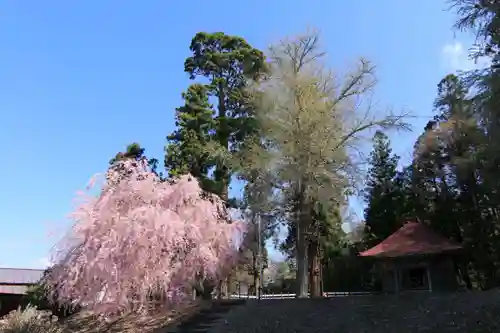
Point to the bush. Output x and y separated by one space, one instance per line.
37 296
30 320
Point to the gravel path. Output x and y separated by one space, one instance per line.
472 312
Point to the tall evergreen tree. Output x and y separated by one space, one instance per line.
208 136
185 151
381 193
449 179
215 133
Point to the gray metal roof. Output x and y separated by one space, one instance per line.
20 275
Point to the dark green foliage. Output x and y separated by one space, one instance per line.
477 150
216 119
285 286
481 18
383 193
185 152
349 272
450 184
39 296
230 58
325 229
208 135
328 227
135 152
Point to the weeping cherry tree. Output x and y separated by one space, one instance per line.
142 237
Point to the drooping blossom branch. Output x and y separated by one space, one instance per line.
143 236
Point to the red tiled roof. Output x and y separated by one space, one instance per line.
412 238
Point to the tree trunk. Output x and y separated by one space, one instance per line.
464 275
228 285
302 263
314 270
222 172
255 274
204 290
219 289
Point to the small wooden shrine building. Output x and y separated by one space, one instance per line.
415 258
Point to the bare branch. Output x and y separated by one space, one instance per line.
312 119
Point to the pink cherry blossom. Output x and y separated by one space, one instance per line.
143 235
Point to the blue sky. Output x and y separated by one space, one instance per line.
81 79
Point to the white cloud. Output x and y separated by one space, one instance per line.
455 57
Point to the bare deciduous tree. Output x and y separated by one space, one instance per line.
312 121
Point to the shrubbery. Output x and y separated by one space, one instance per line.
37 296
30 320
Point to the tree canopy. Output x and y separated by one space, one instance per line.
141 237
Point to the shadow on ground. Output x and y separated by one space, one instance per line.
471 312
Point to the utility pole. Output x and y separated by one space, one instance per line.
259 241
